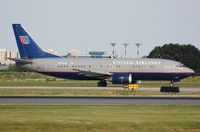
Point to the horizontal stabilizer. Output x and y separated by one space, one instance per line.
23 61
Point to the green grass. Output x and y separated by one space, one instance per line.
43 82
95 118
104 92
35 79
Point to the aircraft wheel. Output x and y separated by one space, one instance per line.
102 83
172 83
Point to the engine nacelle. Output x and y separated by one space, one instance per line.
121 78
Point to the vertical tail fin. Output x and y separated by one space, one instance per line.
27 47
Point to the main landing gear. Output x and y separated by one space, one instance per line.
102 83
170 88
172 83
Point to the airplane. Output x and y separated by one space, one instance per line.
116 70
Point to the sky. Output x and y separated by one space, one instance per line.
91 25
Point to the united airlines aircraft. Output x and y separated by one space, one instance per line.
116 70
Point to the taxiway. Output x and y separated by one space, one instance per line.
108 100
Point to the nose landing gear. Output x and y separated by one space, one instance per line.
172 83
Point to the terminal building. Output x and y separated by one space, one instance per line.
90 54
97 54
7 54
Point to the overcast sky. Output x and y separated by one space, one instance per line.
89 25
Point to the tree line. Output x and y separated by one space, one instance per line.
187 54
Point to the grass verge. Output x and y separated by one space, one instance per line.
36 79
97 118
86 92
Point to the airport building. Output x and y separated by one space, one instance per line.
90 54
7 54
97 54
3 56
74 53
51 51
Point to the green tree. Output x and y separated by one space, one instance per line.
188 54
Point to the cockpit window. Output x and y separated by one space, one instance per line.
180 65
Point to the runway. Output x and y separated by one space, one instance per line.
100 100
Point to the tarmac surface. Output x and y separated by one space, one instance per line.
108 100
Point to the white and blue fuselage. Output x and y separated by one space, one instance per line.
117 70
140 69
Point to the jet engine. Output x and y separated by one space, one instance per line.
121 78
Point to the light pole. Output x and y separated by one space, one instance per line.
138 52
125 46
113 48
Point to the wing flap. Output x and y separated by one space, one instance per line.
96 74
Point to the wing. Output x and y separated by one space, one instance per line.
94 74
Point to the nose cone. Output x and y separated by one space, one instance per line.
190 71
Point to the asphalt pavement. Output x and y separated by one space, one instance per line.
100 100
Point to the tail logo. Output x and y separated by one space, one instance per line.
24 39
